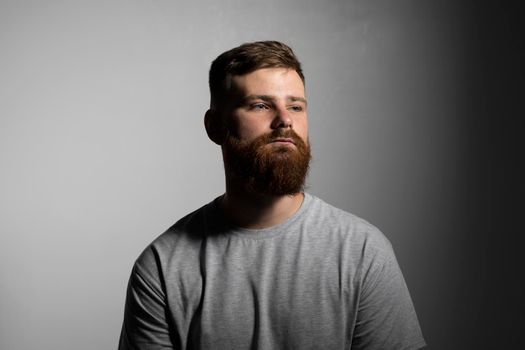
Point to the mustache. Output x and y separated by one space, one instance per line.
279 134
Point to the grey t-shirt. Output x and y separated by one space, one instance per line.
323 279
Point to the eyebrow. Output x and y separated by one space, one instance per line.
271 98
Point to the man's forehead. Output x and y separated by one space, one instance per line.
265 80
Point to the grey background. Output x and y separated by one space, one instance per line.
413 108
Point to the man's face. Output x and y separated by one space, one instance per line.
266 100
267 147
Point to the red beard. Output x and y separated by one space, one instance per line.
267 170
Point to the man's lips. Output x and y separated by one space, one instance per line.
283 140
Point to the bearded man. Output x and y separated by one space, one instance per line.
266 265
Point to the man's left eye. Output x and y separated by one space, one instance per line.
296 108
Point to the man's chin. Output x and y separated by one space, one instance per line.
280 149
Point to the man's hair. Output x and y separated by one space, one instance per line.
245 59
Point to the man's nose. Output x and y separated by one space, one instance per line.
282 119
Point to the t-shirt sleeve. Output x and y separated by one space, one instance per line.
386 318
145 323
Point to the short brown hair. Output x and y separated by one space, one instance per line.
247 58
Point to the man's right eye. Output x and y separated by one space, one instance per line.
258 106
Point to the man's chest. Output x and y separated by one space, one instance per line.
269 296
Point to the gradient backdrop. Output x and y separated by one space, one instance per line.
412 107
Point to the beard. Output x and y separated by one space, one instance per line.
268 170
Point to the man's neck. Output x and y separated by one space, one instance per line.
255 211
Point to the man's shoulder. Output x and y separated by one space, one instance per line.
193 226
183 239
341 222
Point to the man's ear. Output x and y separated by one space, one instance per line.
215 127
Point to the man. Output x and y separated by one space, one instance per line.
267 266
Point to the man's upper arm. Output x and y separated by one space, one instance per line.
146 323
386 317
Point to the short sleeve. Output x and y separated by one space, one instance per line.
386 318
145 323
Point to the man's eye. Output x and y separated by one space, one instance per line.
296 108
259 106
